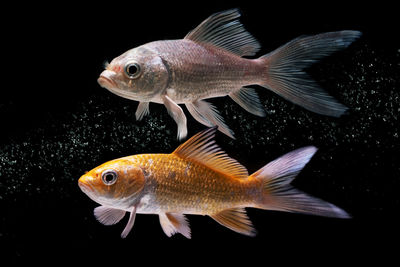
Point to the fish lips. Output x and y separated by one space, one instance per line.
85 186
105 80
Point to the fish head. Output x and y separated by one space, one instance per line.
139 74
117 183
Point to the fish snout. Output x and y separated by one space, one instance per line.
106 79
85 185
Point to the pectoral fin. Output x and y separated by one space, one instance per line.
177 114
130 223
173 223
208 115
108 216
236 220
142 110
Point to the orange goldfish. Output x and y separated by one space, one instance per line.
199 178
209 62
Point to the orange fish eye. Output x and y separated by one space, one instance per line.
109 177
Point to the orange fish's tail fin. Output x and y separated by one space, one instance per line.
286 77
278 194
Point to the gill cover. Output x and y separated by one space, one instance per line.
144 74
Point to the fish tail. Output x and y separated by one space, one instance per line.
278 194
285 70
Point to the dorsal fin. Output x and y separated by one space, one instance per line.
224 30
203 149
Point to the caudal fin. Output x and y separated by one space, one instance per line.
286 77
278 194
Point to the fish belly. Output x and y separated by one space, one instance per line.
182 186
200 71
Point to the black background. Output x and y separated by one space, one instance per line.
58 123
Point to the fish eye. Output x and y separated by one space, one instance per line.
132 70
109 177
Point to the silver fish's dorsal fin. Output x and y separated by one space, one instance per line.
203 149
224 30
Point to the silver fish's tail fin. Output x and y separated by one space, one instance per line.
286 76
278 194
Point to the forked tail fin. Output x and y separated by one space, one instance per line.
285 70
278 194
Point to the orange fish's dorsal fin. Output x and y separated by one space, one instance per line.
203 149
236 220
224 30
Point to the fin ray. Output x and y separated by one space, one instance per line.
142 110
108 216
176 112
248 99
203 149
130 223
278 194
173 223
286 77
207 114
224 30
236 220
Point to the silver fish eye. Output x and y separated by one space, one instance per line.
132 70
109 177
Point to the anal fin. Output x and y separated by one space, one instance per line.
173 223
236 220
248 99
208 115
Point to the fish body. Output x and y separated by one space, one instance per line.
179 185
204 71
198 178
209 62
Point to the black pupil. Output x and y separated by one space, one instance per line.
132 69
109 177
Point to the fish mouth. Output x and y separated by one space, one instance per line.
106 82
85 187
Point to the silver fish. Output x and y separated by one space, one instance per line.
209 63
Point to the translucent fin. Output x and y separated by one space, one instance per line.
236 220
285 70
142 110
108 216
224 30
283 170
278 194
177 114
248 99
203 149
174 223
208 115
130 223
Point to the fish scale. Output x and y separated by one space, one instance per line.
203 71
197 191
